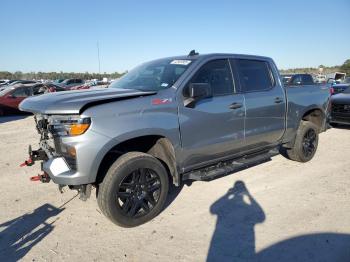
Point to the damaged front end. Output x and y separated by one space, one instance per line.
58 159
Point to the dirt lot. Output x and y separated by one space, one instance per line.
288 212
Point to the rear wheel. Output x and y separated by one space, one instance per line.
134 190
306 143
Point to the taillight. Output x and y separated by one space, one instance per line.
331 90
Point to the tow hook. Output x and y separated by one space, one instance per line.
34 155
44 178
28 162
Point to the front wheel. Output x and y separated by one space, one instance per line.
306 143
134 189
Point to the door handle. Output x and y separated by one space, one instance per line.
235 105
278 100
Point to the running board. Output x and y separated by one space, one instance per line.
228 167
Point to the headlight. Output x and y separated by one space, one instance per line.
69 125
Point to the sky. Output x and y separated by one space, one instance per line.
62 35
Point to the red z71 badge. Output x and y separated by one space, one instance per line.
161 101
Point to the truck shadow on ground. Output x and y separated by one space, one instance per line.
5 119
234 237
339 126
174 191
19 235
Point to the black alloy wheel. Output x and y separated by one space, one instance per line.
309 143
134 190
139 192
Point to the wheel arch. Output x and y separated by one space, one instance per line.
158 146
315 115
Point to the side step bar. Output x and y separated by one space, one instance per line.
228 167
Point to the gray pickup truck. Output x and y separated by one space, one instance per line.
194 117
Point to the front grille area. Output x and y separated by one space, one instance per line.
340 113
341 108
340 119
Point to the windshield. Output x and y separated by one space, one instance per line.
153 76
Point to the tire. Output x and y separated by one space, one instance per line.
305 144
134 190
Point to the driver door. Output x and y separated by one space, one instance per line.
214 127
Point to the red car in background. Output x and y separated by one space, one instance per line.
90 85
13 95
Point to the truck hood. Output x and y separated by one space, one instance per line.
75 102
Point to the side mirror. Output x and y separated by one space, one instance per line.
11 96
198 91
298 83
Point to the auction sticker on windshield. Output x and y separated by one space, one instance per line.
180 62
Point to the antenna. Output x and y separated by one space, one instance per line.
193 53
98 57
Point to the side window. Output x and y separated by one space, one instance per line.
217 73
21 92
254 75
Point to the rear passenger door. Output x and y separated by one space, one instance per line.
264 100
214 127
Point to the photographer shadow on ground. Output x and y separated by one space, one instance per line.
237 213
19 235
234 237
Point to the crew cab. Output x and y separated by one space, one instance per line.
194 117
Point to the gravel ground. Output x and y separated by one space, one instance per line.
277 211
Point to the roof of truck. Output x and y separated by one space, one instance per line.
214 55
205 56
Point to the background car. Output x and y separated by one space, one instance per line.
4 83
16 82
69 83
13 95
91 85
58 81
285 78
339 88
300 80
340 113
